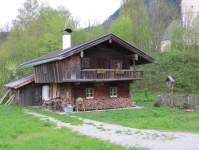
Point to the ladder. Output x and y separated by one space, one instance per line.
4 96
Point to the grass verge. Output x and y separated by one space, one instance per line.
148 118
20 131
63 118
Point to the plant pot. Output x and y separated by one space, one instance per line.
119 72
101 71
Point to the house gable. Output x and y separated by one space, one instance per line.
111 38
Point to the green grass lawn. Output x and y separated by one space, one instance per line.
20 131
141 96
147 118
63 118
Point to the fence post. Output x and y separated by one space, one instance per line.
159 99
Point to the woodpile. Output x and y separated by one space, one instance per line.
112 103
57 104
90 104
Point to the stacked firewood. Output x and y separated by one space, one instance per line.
57 104
90 104
112 103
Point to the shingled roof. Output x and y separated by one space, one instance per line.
21 82
61 54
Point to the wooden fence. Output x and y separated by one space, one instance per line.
178 100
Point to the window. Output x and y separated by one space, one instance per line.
118 65
89 93
85 62
113 92
45 69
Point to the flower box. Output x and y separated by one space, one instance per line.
101 71
119 72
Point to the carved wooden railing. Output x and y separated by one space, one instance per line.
111 74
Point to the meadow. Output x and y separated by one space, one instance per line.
149 117
20 131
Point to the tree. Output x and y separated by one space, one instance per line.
26 14
136 11
161 14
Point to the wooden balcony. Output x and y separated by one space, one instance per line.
108 75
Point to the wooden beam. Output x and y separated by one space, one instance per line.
133 64
24 83
134 56
82 54
10 99
100 80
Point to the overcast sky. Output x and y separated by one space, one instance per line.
83 9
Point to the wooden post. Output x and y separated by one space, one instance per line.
172 96
133 64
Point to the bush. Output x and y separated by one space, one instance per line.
185 105
156 104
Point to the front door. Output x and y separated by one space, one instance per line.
102 63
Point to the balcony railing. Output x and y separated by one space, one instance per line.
111 74
105 75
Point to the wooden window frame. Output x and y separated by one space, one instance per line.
120 64
90 93
113 92
88 59
45 68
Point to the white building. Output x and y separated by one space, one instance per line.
189 11
189 14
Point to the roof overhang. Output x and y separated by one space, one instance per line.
21 82
38 62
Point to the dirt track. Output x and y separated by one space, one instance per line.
155 140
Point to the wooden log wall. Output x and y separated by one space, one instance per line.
103 57
68 68
103 91
53 73
28 95
71 67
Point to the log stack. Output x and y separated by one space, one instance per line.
91 104
112 103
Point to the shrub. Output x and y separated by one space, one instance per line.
185 105
156 104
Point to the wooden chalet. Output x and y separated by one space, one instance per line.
98 71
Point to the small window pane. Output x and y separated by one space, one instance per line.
45 69
89 93
113 92
85 62
117 64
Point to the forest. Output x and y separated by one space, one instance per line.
36 31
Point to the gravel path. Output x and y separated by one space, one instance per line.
128 137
